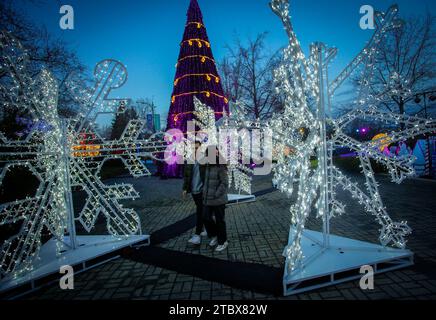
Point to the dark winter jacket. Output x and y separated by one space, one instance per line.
187 176
215 185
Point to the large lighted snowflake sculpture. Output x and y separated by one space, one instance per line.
68 154
304 131
85 166
233 140
40 152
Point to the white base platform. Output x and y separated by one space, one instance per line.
340 262
239 198
91 251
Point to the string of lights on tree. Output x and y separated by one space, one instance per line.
196 76
304 130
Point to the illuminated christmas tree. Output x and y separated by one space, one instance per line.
196 75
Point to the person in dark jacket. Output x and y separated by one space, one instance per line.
193 184
214 200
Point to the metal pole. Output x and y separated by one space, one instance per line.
67 183
330 153
323 150
429 155
152 112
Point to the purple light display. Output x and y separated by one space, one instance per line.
196 75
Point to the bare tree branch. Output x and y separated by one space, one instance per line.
247 73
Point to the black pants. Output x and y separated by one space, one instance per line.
217 227
198 199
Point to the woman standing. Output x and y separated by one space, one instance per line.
214 200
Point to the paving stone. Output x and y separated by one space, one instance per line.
180 296
258 232
409 285
330 294
399 290
419 291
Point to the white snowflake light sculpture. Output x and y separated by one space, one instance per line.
85 166
40 152
233 143
69 153
304 130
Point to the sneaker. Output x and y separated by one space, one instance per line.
213 242
204 233
195 239
222 247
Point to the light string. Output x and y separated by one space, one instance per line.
177 115
208 77
206 93
199 25
199 42
202 58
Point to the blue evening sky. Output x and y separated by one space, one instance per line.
145 34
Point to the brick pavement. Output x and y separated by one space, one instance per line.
258 232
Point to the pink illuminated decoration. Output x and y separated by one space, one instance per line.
196 76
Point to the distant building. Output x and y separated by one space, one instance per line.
153 124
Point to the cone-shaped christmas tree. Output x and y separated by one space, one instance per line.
196 75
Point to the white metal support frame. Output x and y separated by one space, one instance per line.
91 252
339 261
240 198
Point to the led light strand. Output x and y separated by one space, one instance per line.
206 93
199 25
208 77
202 58
199 42
177 116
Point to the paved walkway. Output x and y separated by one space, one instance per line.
257 233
